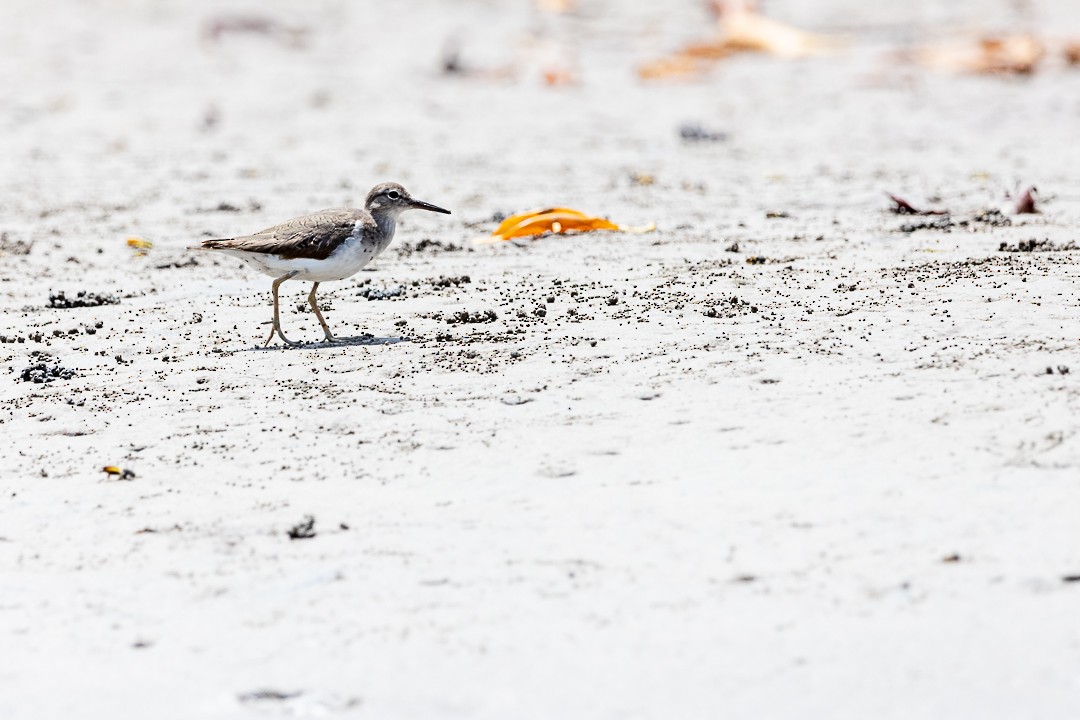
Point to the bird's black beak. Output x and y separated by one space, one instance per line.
421 205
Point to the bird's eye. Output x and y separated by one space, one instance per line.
393 195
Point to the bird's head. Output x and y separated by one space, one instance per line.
394 199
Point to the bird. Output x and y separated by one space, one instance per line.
330 244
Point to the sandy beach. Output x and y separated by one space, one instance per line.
789 455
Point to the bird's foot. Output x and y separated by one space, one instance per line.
281 335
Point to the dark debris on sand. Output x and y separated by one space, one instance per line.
81 299
303 530
940 223
730 308
477 316
427 245
373 293
44 373
445 282
1034 245
697 133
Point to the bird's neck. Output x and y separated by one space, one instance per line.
386 222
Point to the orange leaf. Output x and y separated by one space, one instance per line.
551 220
515 219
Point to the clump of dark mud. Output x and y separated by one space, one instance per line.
303 530
988 218
81 299
477 316
427 245
1034 245
445 282
373 293
938 223
44 373
993 218
697 133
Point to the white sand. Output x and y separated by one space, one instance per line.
628 510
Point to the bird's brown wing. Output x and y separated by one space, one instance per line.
313 236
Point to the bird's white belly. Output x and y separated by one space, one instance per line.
344 262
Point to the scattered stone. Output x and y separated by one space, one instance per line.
43 373
1033 245
81 299
941 223
371 293
730 308
993 218
445 282
477 316
304 530
694 132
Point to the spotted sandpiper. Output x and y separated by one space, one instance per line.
327 245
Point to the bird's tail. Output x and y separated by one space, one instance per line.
214 244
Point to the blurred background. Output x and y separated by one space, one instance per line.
145 117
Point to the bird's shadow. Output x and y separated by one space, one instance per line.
339 343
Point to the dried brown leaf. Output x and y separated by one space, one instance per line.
747 30
1007 54
1072 53
1024 203
741 30
903 207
